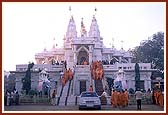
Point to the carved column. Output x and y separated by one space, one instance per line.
90 54
109 58
75 55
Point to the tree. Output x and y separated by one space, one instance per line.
151 51
27 79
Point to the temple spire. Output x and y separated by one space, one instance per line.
71 30
94 29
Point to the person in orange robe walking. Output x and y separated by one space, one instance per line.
156 96
70 74
63 81
114 98
119 99
97 73
94 74
122 99
126 97
160 98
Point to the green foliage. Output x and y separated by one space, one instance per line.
151 51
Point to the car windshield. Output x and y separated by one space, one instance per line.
89 94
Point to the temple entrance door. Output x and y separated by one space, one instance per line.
82 86
82 56
82 59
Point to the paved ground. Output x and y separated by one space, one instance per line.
75 108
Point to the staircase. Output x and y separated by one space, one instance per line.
63 94
99 87
83 76
68 92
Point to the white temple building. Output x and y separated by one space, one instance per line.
76 49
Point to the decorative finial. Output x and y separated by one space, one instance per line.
82 25
54 42
112 42
122 44
95 10
70 10
45 49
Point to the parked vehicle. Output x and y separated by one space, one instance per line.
89 100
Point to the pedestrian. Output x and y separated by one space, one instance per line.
156 97
114 98
61 74
103 98
126 97
8 98
123 98
17 98
119 99
12 97
53 100
153 98
91 88
5 99
138 95
160 98
148 96
65 64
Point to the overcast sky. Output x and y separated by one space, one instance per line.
29 27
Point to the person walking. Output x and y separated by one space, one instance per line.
160 98
103 98
91 88
5 99
127 97
114 97
53 100
138 95
17 98
148 96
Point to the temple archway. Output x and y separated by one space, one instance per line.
82 56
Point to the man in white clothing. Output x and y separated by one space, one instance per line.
138 95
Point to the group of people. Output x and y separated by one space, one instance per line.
97 70
158 97
67 75
11 97
119 98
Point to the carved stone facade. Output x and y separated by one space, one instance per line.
89 48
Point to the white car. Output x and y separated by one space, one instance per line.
89 99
